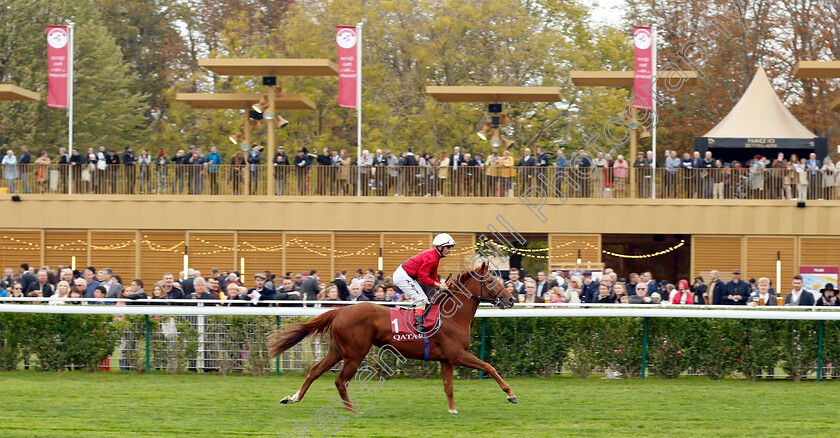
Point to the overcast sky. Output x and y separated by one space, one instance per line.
609 12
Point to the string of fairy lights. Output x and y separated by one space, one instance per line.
371 250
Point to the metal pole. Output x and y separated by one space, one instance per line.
148 347
655 115
359 106
820 351
277 359
70 111
645 346
483 338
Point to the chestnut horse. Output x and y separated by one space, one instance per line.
355 328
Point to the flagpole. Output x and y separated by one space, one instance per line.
70 111
359 107
653 108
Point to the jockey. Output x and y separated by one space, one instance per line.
422 269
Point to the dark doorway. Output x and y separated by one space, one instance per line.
672 266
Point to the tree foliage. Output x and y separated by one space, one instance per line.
133 56
106 111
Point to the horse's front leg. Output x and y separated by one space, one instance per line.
446 371
467 359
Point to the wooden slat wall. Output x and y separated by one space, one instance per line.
115 250
818 252
211 250
161 252
356 250
761 258
262 252
400 247
20 247
460 255
564 248
62 245
309 251
721 253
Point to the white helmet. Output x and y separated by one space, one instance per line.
444 240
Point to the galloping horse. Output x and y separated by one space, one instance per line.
355 328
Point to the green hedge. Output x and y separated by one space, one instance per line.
717 348
57 341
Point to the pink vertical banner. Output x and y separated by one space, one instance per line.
345 38
57 66
643 66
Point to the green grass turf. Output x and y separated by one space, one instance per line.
78 404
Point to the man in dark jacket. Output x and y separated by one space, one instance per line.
40 284
259 292
716 291
798 296
310 287
202 292
129 162
113 162
589 290
737 290
289 291
23 162
26 277
367 289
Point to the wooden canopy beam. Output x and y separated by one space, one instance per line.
11 93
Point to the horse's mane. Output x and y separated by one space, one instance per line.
459 277
464 274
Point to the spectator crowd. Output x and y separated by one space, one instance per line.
66 286
387 173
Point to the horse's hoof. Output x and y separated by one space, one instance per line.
513 400
453 411
286 400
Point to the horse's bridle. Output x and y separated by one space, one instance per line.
495 300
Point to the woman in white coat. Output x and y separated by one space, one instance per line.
10 170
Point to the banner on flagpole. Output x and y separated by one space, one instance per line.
57 66
345 38
643 66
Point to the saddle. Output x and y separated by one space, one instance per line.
402 322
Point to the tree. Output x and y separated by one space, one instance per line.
105 110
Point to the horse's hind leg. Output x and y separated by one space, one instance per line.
351 365
321 367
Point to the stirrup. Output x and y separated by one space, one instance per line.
418 323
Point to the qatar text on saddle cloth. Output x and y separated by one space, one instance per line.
402 319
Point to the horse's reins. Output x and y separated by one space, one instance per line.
495 300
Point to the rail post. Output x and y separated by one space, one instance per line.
277 359
820 351
645 345
148 347
483 338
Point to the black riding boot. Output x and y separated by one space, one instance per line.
418 323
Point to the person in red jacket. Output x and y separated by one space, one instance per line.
422 269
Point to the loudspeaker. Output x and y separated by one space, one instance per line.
269 80
494 108
800 204
15 198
